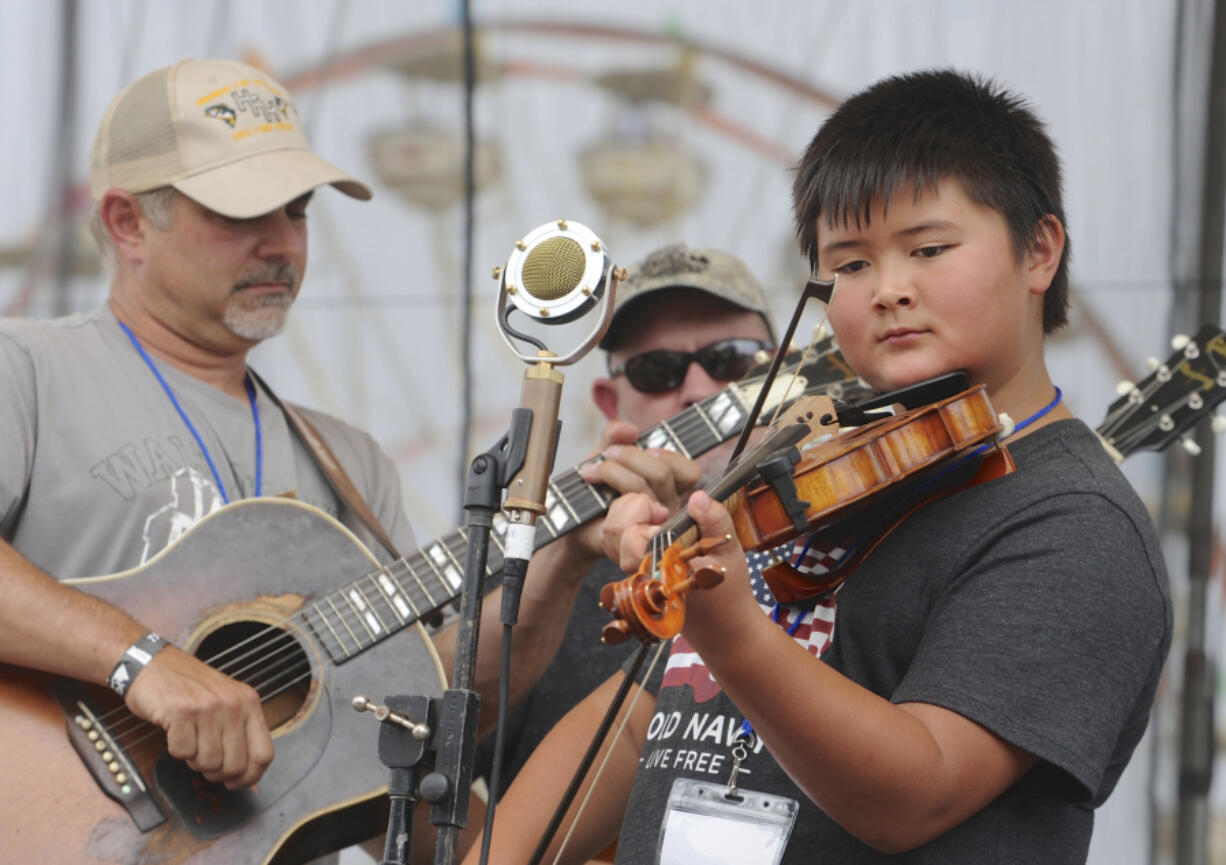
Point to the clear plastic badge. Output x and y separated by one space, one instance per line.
703 825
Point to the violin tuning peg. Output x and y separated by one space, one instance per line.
1218 424
615 633
1179 341
1124 387
709 578
1189 444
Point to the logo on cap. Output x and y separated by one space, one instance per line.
223 113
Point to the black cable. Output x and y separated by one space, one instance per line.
504 697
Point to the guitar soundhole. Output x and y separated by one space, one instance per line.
268 659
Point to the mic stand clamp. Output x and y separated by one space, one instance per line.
456 740
403 745
447 738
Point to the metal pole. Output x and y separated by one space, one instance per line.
62 171
1196 739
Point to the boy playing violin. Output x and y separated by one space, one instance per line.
975 688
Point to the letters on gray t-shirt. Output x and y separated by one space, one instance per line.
100 472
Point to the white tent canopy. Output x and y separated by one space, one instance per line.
376 336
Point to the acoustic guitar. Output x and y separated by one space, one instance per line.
280 595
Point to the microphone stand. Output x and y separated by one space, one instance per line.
488 477
407 743
520 463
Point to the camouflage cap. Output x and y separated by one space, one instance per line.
717 273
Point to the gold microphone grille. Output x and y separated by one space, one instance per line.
554 268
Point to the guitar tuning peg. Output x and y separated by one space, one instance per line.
1189 444
1218 424
1124 387
1152 363
1179 340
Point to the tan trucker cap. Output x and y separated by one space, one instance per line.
223 133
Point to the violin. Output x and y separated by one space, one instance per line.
809 476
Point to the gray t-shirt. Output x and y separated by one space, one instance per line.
99 472
1036 605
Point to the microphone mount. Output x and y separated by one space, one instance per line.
557 273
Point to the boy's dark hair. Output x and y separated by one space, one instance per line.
919 129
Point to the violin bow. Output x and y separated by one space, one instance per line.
814 289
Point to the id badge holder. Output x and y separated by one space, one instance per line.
705 824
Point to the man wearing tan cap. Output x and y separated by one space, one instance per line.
128 425
140 417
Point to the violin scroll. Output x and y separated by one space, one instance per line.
650 606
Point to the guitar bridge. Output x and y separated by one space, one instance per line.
106 760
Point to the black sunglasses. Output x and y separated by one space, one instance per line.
663 369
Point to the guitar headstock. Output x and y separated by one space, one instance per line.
1157 410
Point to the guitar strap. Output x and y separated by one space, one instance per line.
335 473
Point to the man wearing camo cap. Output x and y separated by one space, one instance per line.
686 323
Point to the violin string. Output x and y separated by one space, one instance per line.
903 501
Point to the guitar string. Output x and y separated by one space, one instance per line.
1142 429
1129 407
1154 385
687 422
262 650
275 631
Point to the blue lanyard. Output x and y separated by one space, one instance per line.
255 414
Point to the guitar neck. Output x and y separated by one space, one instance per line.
424 581
432 577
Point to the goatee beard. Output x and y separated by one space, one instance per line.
258 316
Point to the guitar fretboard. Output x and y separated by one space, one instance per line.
378 605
